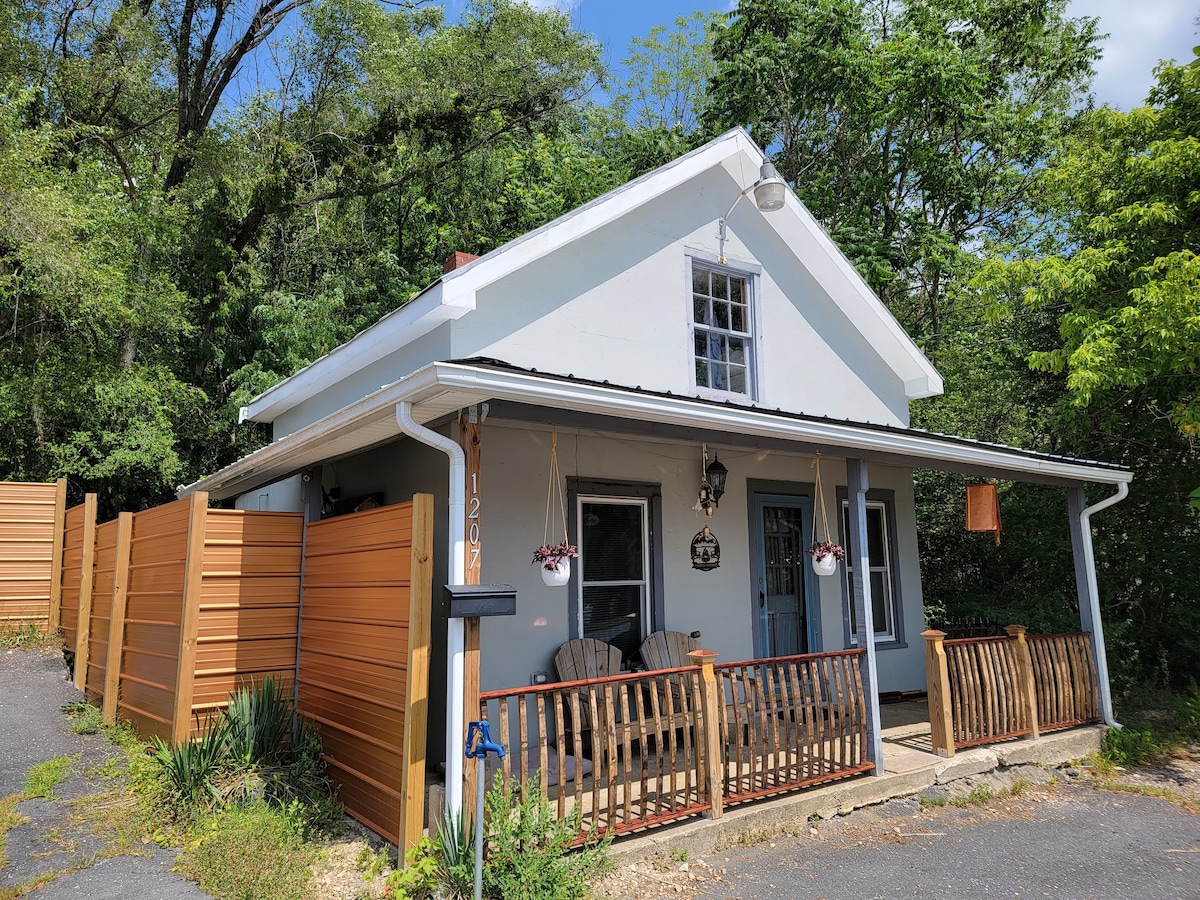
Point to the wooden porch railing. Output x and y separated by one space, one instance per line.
626 751
983 690
790 722
631 751
1065 674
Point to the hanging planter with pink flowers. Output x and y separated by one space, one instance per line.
555 559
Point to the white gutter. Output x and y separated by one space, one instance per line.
456 574
1089 561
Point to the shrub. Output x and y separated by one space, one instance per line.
258 720
192 768
1129 747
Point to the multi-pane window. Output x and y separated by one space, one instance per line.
615 571
879 570
721 330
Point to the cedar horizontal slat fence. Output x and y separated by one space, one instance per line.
991 689
364 659
79 547
31 524
198 601
629 751
791 722
1064 673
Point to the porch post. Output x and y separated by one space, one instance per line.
1086 586
857 485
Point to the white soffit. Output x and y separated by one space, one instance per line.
442 388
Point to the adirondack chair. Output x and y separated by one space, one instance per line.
586 658
669 650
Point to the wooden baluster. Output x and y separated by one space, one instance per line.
505 737
659 745
599 751
610 730
665 684
543 741
623 706
577 746
561 747
1025 679
643 745
523 726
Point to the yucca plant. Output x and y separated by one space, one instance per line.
193 767
259 723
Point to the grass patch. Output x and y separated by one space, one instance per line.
25 888
9 819
29 638
1191 804
85 718
254 852
44 777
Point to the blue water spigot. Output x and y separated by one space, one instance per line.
479 741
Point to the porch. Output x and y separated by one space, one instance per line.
629 752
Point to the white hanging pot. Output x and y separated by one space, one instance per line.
824 565
559 575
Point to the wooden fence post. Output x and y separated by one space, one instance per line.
416 702
714 769
937 685
56 558
83 624
116 617
189 618
1025 668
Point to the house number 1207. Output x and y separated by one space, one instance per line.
473 523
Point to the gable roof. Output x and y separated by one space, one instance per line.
453 295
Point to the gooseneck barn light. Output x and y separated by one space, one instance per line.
769 191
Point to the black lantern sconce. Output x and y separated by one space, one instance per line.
712 487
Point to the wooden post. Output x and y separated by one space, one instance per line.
469 439
1025 668
56 558
189 617
714 768
116 620
83 625
416 699
937 685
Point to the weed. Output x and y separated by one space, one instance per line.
373 863
679 854
85 718
251 852
1149 790
1129 747
25 888
1020 786
44 777
29 638
980 794
928 802
9 819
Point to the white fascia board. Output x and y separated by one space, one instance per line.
604 209
414 319
469 384
867 312
602 400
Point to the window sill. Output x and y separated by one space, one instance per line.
887 644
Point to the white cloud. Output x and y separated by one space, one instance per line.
560 5
1140 33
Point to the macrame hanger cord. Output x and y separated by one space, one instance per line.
554 485
816 464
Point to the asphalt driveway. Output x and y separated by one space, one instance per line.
68 835
1072 842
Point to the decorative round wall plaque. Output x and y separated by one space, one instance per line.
706 550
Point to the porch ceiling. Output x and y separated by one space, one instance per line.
442 388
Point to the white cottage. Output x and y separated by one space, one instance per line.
644 336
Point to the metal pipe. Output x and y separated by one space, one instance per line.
1093 590
456 574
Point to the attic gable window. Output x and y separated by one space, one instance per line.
722 335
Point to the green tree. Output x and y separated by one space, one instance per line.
910 130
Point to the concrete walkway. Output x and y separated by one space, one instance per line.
74 839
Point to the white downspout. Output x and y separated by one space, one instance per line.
1089 561
456 574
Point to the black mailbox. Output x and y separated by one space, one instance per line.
461 601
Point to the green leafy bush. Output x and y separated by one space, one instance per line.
1130 747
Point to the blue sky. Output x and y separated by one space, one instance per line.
1141 32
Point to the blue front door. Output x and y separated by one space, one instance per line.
786 625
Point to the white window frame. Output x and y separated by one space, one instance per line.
751 274
646 581
889 576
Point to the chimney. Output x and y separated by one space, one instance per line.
457 260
